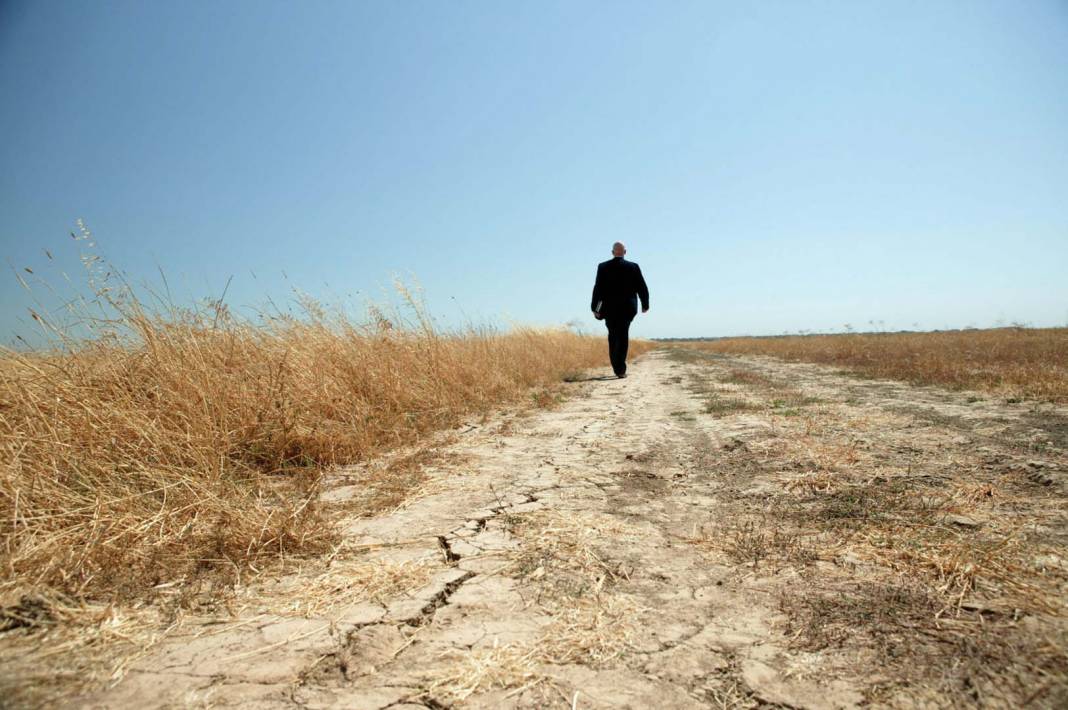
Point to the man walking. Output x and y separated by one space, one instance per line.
616 292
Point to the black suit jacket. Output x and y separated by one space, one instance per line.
618 287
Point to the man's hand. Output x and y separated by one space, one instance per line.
598 316
645 310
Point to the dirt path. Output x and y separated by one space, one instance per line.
706 533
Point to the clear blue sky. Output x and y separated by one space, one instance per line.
773 166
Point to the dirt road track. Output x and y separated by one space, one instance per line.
593 556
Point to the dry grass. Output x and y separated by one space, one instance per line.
564 550
391 481
345 581
135 464
561 553
53 645
1014 362
592 631
498 667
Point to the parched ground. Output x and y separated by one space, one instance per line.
709 532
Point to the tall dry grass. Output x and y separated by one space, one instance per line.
183 443
1015 362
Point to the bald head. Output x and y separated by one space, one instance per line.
618 249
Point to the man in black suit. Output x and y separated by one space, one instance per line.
616 292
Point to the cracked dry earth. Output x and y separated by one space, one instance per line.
708 532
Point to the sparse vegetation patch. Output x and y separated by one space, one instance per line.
908 542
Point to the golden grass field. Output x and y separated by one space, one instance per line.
1015 362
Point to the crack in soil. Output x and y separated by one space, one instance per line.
450 556
439 600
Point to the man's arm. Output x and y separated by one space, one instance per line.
643 290
598 290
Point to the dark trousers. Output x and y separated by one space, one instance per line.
618 341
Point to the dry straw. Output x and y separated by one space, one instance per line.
329 589
592 630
